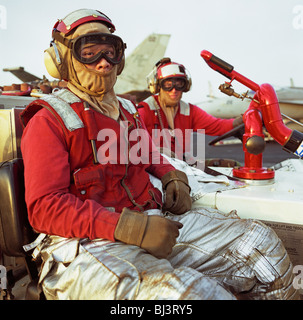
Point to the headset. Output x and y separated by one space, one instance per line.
165 68
53 55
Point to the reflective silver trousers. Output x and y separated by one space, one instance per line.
217 257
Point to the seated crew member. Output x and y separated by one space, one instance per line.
165 110
105 231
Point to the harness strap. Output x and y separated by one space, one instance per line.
127 105
60 101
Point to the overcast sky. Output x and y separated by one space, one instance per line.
262 39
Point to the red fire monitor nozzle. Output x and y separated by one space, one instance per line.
264 106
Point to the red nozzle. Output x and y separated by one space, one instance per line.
253 143
227 70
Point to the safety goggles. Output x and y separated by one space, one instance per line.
90 48
170 83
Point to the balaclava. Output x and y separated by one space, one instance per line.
91 85
169 107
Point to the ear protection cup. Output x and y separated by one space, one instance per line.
49 62
152 82
189 82
154 88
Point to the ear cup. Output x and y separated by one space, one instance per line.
153 88
152 82
189 83
49 62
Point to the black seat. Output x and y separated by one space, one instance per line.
15 230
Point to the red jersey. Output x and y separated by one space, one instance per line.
67 194
189 118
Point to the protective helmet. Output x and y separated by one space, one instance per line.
166 69
62 43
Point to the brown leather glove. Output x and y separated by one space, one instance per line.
155 234
237 121
177 192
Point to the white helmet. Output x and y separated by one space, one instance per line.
166 69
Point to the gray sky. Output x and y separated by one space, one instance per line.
262 39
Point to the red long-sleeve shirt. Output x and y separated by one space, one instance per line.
188 117
68 195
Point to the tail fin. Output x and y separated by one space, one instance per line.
140 62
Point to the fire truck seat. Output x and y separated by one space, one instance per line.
15 230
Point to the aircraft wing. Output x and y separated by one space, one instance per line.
290 95
140 62
21 74
296 102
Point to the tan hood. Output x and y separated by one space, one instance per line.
170 109
91 85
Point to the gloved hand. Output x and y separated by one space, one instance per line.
177 192
237 121
155 234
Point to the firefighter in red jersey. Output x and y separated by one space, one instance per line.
105 232
83 194
165 110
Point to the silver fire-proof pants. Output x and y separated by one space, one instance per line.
216 257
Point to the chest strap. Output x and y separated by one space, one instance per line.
61 102
127 105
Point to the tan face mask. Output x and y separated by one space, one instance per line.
91 85
169 107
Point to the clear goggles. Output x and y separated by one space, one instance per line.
169 83
90 48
